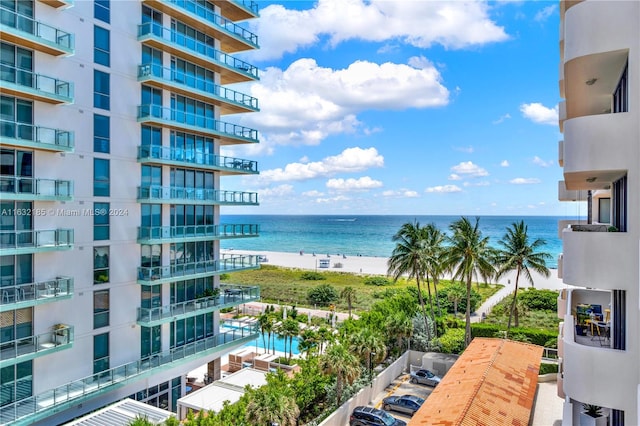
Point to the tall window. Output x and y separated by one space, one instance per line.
15 270
101 133
101 90
101 221
102 10
16 171
16 64
15 229
149 341
101 46
100 265
100 353
17 382
604 210
17 118
151 175
16 324
101 177
100 308
621 94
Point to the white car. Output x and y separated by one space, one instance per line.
425 377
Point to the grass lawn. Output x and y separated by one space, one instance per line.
285 286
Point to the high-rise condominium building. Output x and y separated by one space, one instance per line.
599 345
112 120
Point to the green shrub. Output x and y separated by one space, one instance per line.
534 299
224 277
534 336
323 295
377 281
452 342
546 368
312 276
446 302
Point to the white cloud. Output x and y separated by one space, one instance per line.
454 25
502 118
468 169
454 176
540 114
524 181
351 160
443 189
401 193
540 162
545 13
306 103
351 184
504 163
276 191
332 199
312 193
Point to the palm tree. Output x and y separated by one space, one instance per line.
308 342
455 294
339 361
399 326
289 329
269 405
517 253
468 256
368 345
349 294
264 322
408 258
434 248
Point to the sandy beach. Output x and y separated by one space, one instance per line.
378 266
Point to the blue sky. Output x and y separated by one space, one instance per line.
404 107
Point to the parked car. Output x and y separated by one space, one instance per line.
425 377
366 416
407 404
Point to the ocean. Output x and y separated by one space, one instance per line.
371 235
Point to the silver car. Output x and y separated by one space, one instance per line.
407 404
425 377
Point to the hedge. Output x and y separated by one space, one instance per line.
536 337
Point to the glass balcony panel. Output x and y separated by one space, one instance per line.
180 270
197 231
30 188
37 136
214 196
43 87
23 294
165 153
243 70
241 101
39 32
32 240
39 406
22 349
231 131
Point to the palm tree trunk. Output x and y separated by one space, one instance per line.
513 302
433 315
467 328
435 288
349 303
424 312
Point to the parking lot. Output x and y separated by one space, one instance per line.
402 386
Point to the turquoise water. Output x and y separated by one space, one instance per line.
370 235
259 345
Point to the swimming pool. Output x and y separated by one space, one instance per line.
258 344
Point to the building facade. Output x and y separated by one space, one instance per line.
600 155
112 120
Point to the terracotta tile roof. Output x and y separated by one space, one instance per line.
492 383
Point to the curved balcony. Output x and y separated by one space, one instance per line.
18 296
31 241
229 101
27 188
238 10
36 87
233 37
194 157
35 137
230 296
30 347
26 31
597 147
586 368
231 70
182 271
604 260
178 234
175 195
43 405
58 3
227 133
